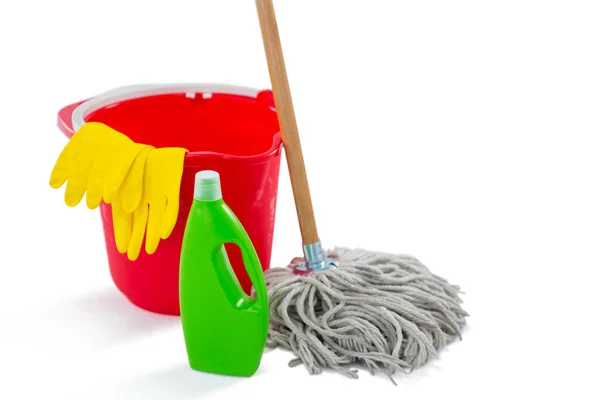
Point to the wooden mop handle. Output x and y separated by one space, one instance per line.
287 120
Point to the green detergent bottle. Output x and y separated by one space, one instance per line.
225 330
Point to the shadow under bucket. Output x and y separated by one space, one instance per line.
230 129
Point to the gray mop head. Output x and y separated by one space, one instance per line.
386 312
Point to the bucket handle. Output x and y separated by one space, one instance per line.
142 90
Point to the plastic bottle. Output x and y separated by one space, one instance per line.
225 330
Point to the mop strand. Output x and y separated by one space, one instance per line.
386 312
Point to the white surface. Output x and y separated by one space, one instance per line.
477 122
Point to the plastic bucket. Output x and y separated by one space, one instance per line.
230 129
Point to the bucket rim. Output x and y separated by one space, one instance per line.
136 91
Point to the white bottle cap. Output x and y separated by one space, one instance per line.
208 186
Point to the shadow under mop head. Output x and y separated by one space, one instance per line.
384 311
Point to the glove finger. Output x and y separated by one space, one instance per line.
95 184
60 171
122 227
119 172
170 217
79 174
155 218
140 217
133 188
174 186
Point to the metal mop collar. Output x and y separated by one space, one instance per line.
383 311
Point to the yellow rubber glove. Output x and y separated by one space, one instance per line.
96 160
150 204
129 221
162 182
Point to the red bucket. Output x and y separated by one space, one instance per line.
230 129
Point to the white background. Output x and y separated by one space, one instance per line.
465 133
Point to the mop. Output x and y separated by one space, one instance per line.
348 307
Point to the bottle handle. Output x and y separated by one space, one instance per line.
249 258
